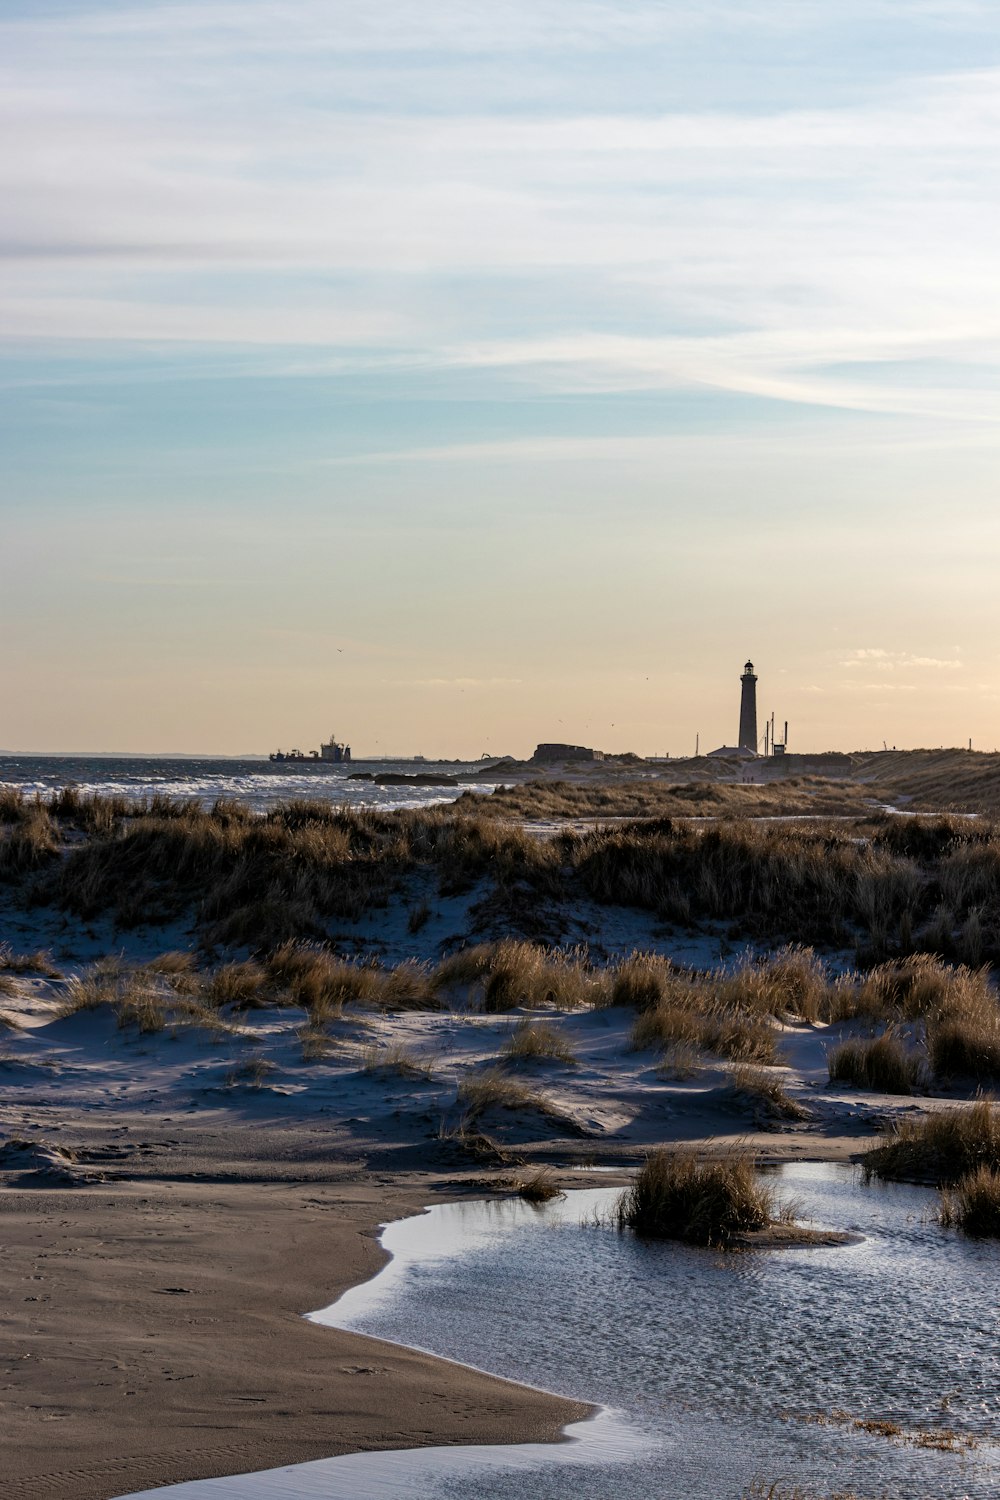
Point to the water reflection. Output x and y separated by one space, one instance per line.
761 1349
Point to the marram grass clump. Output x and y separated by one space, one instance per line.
942 1148
973 1205
883 1064
677 1197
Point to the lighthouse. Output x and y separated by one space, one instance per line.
748 710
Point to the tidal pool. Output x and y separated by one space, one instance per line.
715 1369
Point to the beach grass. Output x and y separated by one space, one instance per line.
678 1197
765 1090
532 1041
941 1148
539 1186
397 1059
493 1089
254 1073
884 1064
973 1204
697 1020
888 887
39 962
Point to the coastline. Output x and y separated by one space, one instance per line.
157 1334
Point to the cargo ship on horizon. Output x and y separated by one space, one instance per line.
333 753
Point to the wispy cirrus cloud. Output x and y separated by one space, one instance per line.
459 682
876 658
816 252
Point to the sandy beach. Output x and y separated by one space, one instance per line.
154 1333
156 1261
154 1327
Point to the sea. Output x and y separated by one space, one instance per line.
259 783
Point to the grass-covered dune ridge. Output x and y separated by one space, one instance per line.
734 1013
888 886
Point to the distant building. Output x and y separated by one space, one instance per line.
546 754
731 752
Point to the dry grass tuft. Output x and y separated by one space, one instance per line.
538 1186
316 1043
142 1008
679 1062
694 1019
942 1148
205 1017
242 985
885 1065
28 844
254 1073
494 1089
397 1059
130 993
466 967
408 986
100 984
319 981
921 986
641 980
525 974
765 1091
172 965
677 1197
973 1205
38 962
791 982
537 1040
966 1046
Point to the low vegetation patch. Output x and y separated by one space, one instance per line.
532 1041
966 1046
526 974
38 962
494 1089
677 1197
792 981
889 886
708 1026
244 986
254 1073
398 1059
973 1204
765 1091
538 1187
942 1148
316 1044
884 1064
679 1062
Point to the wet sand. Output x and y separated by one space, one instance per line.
154 1333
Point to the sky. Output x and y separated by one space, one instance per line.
458 374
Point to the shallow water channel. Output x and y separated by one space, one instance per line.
718 1369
